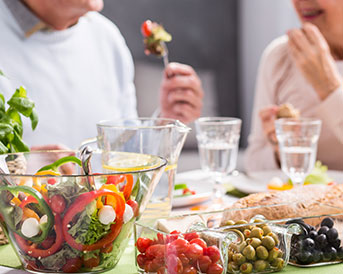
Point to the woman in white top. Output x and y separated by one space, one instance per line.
304 68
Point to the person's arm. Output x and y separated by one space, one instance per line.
261 153
312 55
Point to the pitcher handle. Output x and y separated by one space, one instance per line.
87 142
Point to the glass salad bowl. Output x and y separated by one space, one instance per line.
60 220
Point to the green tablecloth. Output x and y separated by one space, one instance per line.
127 264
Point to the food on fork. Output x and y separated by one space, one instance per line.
287 111
154 38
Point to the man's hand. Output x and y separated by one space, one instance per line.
312 56
181 93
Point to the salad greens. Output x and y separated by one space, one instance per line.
88 229
318 175
11 126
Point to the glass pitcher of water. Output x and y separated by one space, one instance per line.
155 136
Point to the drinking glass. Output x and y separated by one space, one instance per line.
218 139
298 140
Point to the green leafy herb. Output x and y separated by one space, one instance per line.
180 186
88 229
11 126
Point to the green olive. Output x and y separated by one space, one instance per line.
238 247
268 242
239 258
246 233
262 252
232 267
229 222
242 222
266 230
249 252
256 232
246 268
273 254
278 263
230 254
254 242
260 265
275 237
257 221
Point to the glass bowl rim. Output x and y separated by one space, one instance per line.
163 163
298 121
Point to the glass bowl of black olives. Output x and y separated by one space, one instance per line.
317 242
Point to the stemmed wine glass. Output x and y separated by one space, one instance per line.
218 139
297 140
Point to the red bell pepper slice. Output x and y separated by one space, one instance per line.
79 205
128 187
28 200
35 252
115 179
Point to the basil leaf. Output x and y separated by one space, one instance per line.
23 105
18 143
3 148
2 102
2 73
34 119
5 130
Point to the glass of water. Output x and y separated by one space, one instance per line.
298 140
218 139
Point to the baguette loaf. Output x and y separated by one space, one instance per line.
307 200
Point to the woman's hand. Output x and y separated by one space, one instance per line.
268 117
312 56
181 93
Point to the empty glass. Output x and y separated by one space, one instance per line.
218 139
298 140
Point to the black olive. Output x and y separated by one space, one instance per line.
332 251
313 234
317 256
304 257
327 222
323 230
336 243
332 235
321 241
340 253
308 244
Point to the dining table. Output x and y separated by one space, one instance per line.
10 263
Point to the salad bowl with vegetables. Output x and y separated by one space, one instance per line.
60 220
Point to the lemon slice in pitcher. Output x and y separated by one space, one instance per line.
128 162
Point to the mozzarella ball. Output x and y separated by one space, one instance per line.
43 219
276 181
30 227
128 213
107 215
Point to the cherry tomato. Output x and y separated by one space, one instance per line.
171 238
141 260
48 242
190 236
142 244
174 265
51 181
189 270
107 249
180 245
72 265
175 232
204 262
57 204
194 251
161 270
146 28
161 239
134 206
200 242
213 252
155 251
215 269
91 262
157 263
184 260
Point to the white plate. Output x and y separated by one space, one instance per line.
257 181
197 181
